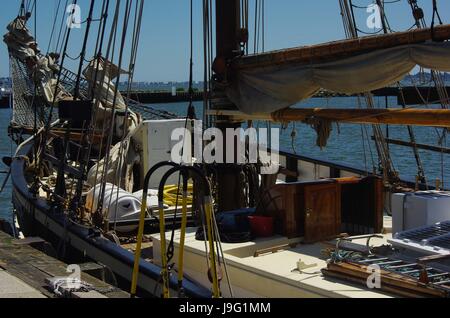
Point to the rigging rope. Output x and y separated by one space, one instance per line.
350 26
53 26
116 92
135 44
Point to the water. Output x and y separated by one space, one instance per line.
344 146
5 150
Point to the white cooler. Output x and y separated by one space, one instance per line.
413 210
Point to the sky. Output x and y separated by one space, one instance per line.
164 47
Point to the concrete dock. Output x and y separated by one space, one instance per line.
12 287
25 272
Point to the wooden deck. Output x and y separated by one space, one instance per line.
25 270
268 268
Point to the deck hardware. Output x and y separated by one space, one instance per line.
374 260
416 271
403 266
389 263
443 283
274 249
214 271
438 275
301 266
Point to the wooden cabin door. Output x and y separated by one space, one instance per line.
322 212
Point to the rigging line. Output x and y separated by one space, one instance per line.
205 65
21 9
60 48
55 18
382 149
83 51
259 26
100 33
383 16
255 43
35 21
61 27
191 109
79 189
112 122
366 167
412 137
436 77
221 254
58 81
211 51
369 33
77 196
73 58
109 51
435 14
97 52
98 49
207 51
263 25
190 115
135 44
116 90
33 6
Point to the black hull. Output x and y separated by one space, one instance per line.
36 218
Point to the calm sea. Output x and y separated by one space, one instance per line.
345 145
6 149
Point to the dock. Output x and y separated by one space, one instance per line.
407 95
148 97
26 272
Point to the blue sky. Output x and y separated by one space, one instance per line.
164 46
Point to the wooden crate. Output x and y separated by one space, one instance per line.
311 210
324 209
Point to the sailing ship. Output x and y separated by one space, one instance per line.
92 164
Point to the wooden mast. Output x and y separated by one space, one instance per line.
341 49
227 48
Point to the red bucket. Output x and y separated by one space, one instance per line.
262 226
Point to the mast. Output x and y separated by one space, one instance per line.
227 47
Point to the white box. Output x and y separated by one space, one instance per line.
414 210
154 137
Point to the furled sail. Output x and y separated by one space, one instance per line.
274 81
101 74
269 89
20 42
43 70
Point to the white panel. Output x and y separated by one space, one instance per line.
160 144
414 210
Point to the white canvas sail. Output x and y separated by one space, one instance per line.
271 88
